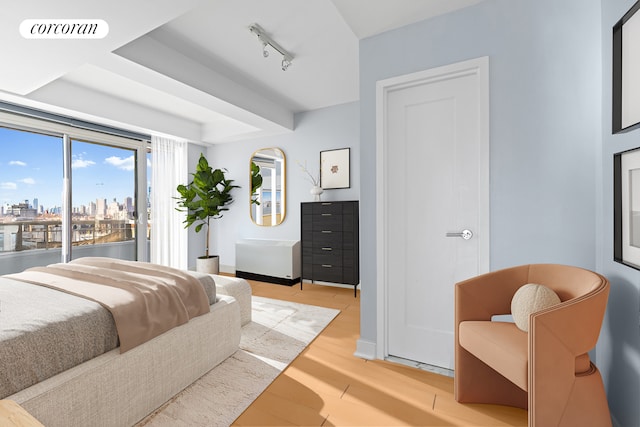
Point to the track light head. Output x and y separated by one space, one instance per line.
266 42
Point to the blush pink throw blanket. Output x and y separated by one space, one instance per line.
145 299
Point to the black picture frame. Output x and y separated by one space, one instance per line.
626 208
622 119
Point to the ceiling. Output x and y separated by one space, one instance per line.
192 69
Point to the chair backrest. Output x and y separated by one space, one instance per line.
567 281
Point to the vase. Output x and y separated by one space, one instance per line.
316 192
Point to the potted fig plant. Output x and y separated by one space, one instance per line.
203 199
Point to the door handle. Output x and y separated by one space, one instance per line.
465 234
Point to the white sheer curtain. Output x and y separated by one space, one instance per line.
169 238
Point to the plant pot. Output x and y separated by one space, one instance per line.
209 265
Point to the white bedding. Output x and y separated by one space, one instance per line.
44 331
120 389
117 389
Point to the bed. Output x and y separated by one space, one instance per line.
99 380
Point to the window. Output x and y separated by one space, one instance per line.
103 194
30 190
100 210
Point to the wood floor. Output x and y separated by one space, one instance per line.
327 386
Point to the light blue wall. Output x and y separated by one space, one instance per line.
545 126
315 131
619 345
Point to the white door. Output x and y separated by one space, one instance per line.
435 198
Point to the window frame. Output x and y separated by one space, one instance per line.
68 133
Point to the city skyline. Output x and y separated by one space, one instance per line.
31 168
101 208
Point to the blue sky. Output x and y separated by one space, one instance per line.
31 167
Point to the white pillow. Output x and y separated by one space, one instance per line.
528 299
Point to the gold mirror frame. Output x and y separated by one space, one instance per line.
273 166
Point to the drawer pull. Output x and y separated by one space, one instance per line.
327 204
326 214
327 249
327 231
327 266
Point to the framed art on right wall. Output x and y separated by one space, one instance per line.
626 71
626 209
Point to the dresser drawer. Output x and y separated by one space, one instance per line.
307 255
327 238
350 208
326 221
349 223
349 258
307 270
328 249
306 208
327 257
327 273
327 207
350 275
307 223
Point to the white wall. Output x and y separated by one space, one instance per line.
315 131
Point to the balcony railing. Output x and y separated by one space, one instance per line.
25 235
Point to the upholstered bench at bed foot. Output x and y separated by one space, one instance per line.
240 290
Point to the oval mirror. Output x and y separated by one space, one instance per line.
268 191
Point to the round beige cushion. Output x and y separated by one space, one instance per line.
528 299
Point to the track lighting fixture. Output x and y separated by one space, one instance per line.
266 42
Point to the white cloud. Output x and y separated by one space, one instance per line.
30 181
17 163
127 164
8 185
79 163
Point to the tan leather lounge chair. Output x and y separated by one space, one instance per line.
546 370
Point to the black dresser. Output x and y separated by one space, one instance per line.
330 242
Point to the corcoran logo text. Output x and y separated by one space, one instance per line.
64 28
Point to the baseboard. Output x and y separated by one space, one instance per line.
228 269
271 279
365 349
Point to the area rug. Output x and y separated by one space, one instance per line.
278 332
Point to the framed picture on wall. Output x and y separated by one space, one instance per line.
334 169
626 71
626 210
